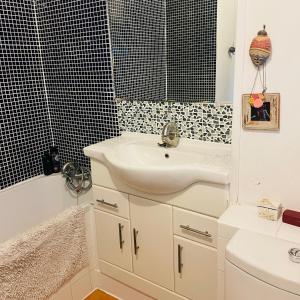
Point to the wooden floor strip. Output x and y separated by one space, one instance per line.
99 295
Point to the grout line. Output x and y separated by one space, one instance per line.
43 72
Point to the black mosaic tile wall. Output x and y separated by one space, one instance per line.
24 120
77 64
191 49
138 46
55 57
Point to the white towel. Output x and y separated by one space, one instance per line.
38 262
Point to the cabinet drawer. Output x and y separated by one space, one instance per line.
111 201
194 226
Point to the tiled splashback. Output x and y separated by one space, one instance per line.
203 121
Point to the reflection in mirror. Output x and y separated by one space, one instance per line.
191 49
175 50
138 47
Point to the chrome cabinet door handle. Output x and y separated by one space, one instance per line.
136 247
121 236
103 202
179 253
188 228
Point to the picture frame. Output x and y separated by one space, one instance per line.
265 118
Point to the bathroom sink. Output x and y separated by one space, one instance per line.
143 165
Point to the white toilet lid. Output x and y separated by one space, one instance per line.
265 258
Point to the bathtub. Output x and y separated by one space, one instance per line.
36 200
31 202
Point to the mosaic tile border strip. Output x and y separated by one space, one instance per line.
203 121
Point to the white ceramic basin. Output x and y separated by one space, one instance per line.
143 165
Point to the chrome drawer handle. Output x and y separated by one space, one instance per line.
135 245
121 236
113 205
179 253
188 228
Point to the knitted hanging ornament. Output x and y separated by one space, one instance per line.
261 48
260 51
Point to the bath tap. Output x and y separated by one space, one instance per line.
169 136
77 177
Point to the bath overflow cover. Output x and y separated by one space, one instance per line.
294 254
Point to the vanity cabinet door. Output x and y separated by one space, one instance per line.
152 241
113 239
196 270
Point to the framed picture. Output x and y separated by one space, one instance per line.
264 118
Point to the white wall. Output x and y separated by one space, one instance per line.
267 164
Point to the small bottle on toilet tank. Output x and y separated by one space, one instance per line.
55 159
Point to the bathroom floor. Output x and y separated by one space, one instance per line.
100 295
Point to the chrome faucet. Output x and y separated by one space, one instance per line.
169 136
78 178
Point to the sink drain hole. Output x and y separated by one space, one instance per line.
167 155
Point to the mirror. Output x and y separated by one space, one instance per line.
174 50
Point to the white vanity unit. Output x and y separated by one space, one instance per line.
156 212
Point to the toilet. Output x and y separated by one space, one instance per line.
258 267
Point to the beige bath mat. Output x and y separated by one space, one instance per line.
37 263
